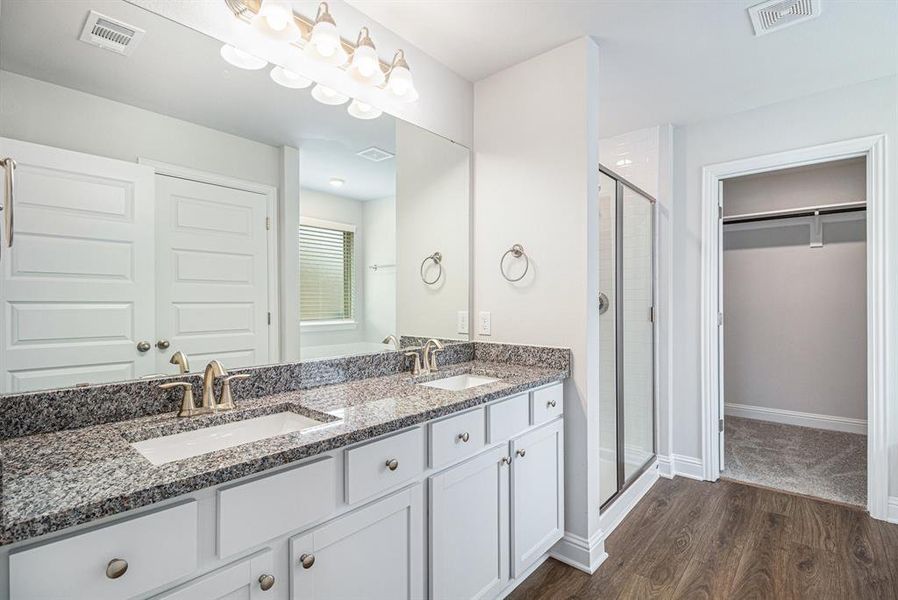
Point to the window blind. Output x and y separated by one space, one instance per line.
326 268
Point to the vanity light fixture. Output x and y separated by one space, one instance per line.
365 66
275 21
324 43
326 95
363 110
399 79
242 60
336 182
289 79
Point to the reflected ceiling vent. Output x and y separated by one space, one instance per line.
375 154
773 15
109 34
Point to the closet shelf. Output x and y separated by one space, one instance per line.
804 211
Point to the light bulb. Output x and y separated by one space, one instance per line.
325 39
324 43
289 79
363 110
240 59
275 21
399 81
329 96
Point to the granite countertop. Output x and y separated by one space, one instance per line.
51 481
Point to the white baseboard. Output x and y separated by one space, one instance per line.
665 468
587 555
791 417
892 516
677 465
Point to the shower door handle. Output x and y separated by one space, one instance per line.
603 303
9 168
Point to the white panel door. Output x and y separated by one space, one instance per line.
242 580
212 271
469 528
537 494
77 289
374 553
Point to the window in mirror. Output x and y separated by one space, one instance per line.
326 271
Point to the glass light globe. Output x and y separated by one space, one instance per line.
240 59
363 110
329 96
364 59
400 81
289 79
325 38
276 13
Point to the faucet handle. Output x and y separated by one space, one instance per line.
416 365
227 398
188 408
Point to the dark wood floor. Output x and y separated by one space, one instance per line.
692 539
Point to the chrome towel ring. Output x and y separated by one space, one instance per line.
437 258
516 251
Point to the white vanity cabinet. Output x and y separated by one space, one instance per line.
251 578
374 552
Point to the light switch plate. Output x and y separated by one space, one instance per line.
483 323
462 325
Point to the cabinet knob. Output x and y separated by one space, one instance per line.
392 464
163 344
143 346
551 404
116 568
521 453
506 460
266 582
464 436
307 560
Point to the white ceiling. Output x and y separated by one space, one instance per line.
178 72
673 61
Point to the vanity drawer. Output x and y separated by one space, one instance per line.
256 511
508 417
546 403
456 437
154 549
383 464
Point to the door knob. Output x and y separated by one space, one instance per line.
551 404
266 582
116 568
392 464
464 436
143 346
521 453
163 344
307 560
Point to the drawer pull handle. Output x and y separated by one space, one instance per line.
506 460
266 582
464 437
551 404
307 560
392 464
116 568
521 452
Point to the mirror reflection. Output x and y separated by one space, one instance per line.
171 209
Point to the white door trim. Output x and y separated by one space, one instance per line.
882 328
271 194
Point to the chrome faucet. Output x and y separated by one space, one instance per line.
213 370
391 339
180 359
430 355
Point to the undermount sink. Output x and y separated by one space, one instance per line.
459 382
187 444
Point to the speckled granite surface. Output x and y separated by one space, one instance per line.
55 480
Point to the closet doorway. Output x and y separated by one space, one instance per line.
626 334
794 337
881 258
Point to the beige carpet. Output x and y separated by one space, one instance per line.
815 462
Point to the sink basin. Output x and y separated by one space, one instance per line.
459 382
187 444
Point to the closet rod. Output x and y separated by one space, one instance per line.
805 211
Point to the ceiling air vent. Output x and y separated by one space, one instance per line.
776 14
109 34
375 154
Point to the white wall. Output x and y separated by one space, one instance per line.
850 112
536 183
432 214
44 113
379 225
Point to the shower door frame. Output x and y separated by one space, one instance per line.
622 483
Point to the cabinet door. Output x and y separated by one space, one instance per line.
376 552
469 528
537 494
242 580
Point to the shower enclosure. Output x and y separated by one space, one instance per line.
626 333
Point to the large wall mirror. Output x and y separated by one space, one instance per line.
166 201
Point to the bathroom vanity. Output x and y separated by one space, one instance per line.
401 490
